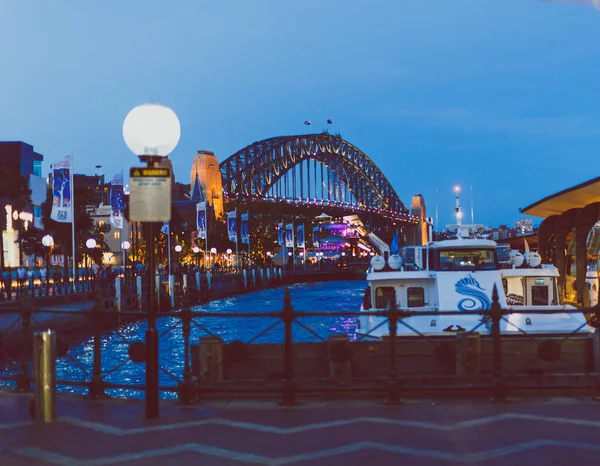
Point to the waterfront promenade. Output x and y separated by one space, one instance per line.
316 433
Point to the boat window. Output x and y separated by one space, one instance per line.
539 295
384 296
467 259
416 297
367 299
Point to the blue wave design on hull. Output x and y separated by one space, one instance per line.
477 299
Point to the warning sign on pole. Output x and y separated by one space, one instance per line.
150 194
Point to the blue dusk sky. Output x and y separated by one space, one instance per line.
503 93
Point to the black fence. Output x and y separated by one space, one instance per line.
190 386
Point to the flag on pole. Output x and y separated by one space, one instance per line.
280 230
201 219
232 226
300 236
62 192
245 229
394 245
165 228
116 201
289 235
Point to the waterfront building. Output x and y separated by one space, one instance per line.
524 226
20 158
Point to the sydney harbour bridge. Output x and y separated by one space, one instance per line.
316 173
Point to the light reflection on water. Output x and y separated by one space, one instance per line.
328 296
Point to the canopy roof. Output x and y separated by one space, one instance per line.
576 196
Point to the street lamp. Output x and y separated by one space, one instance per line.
48 243
178 248
196 250
125 245
229 251
151 131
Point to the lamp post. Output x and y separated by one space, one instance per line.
178 249
212 252
229 251
90 244
48 243
125 245
196 250
151 132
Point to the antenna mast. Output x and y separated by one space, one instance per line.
457 209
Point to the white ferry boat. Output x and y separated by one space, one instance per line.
460 274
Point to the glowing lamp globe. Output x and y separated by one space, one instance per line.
229 251
213 250
48 241
178 248
90 243
196 249
125 245
151 129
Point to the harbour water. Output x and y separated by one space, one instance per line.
118 369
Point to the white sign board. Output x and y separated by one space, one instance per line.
150 194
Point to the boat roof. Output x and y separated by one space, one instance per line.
541 272
399 275
463 243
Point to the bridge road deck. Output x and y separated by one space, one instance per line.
315 433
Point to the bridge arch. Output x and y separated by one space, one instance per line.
255 169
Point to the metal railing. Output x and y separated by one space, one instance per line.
94 326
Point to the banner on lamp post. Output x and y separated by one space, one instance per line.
201 219
232 226
300 236
280 234
116 201
245 231
289 235
62 194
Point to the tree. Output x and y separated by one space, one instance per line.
31 242
14 190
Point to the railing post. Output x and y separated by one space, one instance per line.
498 391
139 290
245 276
288 395
185 284
96 386
393 387
172 290
44 369
596 349
268 275
186 389
23 382
254 278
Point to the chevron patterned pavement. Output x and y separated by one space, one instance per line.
553 431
